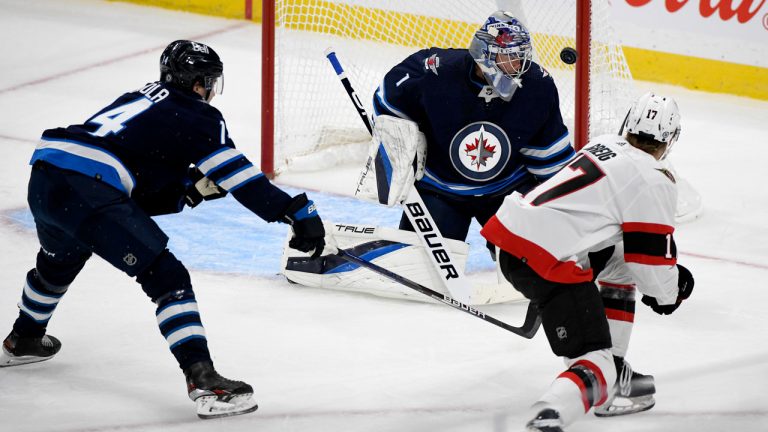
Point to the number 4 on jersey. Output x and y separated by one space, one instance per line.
113 121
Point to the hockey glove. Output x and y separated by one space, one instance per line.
308 230
201 188
685 288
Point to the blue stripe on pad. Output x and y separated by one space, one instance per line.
368 256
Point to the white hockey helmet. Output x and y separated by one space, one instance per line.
656 117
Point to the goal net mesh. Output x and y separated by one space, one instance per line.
317 127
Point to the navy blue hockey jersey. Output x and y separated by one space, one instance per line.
477 144
144 142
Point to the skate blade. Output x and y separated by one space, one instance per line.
625 406
7 360
210 407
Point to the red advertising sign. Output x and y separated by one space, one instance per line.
744 11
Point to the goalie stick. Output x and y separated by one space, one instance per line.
415 209
527 330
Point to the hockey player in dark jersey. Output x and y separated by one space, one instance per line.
491 119
94 187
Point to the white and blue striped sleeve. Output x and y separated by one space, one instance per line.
233 172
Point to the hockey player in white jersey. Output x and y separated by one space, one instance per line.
633 391
614 191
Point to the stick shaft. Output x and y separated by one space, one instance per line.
348 87
416 211
527 330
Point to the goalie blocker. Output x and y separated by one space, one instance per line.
396 250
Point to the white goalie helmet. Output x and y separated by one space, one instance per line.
654 116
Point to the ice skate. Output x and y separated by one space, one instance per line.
547 420
215 395
633 393
19 350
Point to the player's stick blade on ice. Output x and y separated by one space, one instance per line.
527 330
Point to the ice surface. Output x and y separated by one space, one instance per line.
332 361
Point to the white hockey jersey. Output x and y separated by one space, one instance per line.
611 191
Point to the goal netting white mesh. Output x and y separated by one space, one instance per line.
316 125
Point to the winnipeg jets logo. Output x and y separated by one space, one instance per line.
480 151
432 63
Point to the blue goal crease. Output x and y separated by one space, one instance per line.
240 242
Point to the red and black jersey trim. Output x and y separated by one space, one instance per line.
590 380
619 301
539 259
649 243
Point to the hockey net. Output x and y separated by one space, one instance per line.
315 124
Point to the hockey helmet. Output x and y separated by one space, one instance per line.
656 117
502 39
183 63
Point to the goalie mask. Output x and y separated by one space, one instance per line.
183 63
656 117
502 49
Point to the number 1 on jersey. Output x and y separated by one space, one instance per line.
113 121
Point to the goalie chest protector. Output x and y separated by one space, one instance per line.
474 138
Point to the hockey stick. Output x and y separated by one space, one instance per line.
527 330
331 55
415 209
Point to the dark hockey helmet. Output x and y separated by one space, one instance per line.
183 63
503 51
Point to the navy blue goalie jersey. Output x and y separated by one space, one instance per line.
477 143
144 143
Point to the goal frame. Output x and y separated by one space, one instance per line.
581 124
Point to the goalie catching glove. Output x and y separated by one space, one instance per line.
201 189
685 288
395 161
308 230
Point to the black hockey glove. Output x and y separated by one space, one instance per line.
201 188
685 288
308 230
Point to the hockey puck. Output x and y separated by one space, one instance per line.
568 55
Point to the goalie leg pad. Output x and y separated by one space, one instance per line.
396 250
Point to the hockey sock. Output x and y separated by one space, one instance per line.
619 302
38 302
179 322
